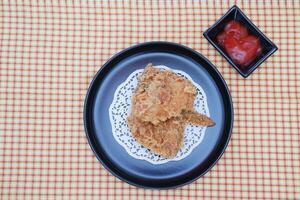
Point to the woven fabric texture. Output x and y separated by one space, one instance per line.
50 50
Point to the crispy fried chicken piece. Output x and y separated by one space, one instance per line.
162 105
165 138
197 119
161 95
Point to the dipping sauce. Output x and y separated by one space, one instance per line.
241 46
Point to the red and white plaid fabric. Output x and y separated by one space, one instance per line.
51 50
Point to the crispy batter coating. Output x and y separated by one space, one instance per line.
161 95
164 139
162 105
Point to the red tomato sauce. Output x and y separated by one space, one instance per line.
241 46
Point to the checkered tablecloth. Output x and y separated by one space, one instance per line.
50 51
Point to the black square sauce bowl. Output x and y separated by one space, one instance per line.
234 13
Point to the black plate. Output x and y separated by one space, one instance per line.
139 172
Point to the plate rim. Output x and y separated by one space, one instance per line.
106 66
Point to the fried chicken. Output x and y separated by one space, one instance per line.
161 95
162 105
164 138
195 118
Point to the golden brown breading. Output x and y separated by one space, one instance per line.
164 139
198 119
162 105
161 95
